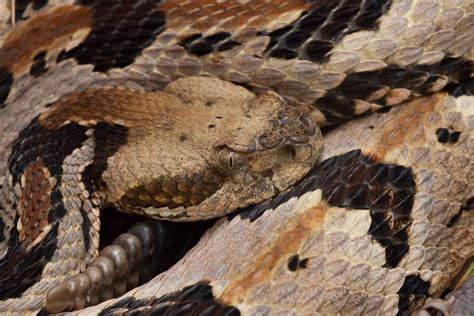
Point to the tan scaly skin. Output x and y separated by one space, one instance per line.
187 153
304 255
70 142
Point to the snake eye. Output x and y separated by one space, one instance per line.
230 160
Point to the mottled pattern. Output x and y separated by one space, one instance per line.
36 169
51 146
79 154
316 48
304 50
390 225
387 190
355 181
302 255
388 85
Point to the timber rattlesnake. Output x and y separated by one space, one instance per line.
384 220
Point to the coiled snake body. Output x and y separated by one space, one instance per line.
384 221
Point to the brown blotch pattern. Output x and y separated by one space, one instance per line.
34 202
396 132
287 243
202 15
39 33
101 105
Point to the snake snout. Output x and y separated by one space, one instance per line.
291 127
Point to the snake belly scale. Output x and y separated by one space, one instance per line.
187 110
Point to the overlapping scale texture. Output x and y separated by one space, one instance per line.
321 248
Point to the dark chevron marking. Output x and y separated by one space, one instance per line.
121 30
52 146
355 181
313 35
196 299
338 104
201 46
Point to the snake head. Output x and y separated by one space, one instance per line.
211 148
272 147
